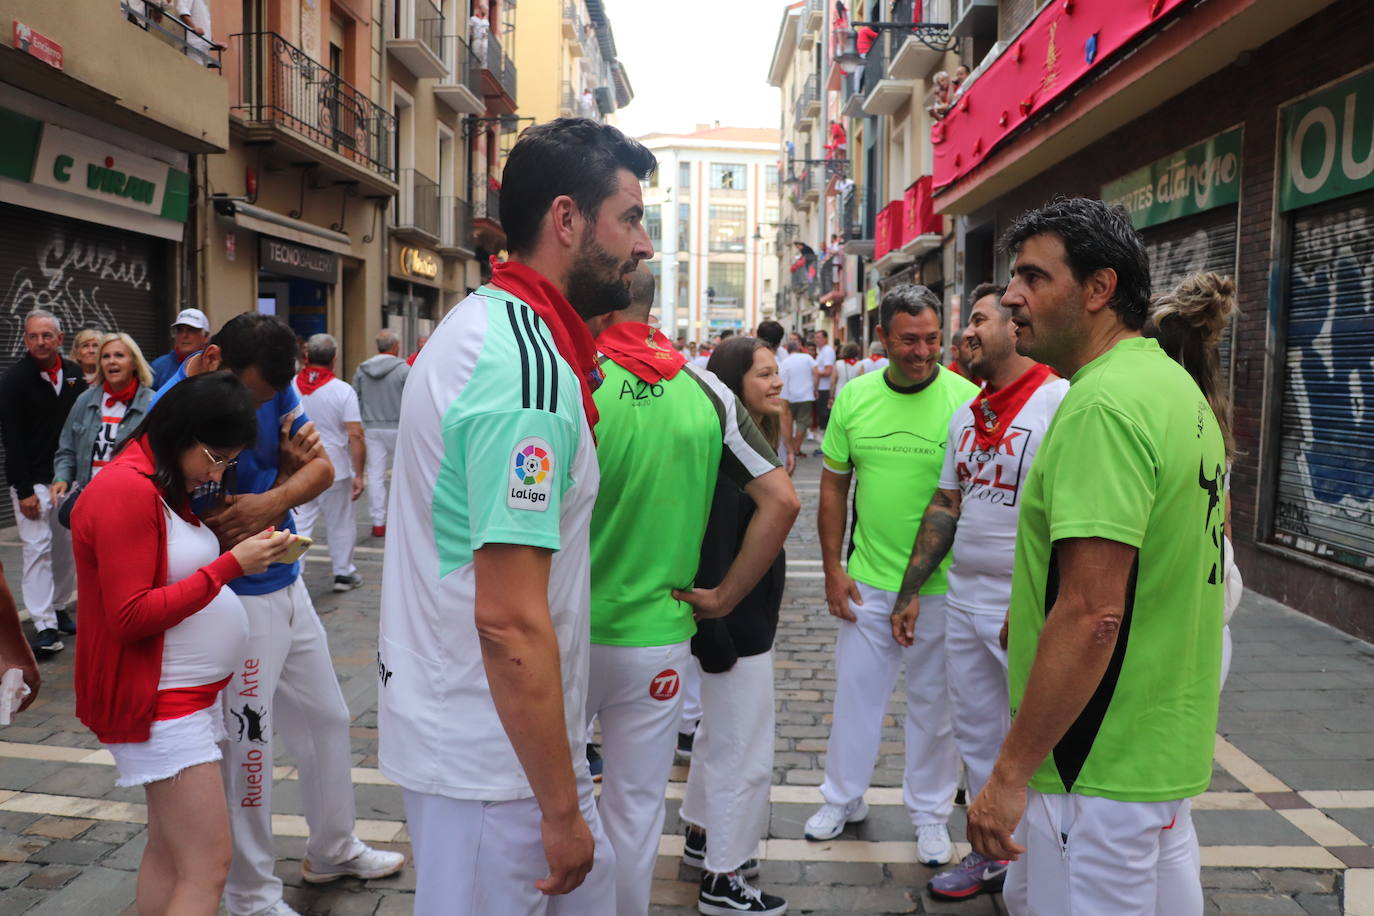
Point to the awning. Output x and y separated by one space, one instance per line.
268 222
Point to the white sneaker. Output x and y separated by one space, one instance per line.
280 908
932 844
829 819
368 864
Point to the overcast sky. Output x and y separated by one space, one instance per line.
696 62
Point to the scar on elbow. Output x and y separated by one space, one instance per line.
1105 630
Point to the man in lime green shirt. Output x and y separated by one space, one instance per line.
887 434
667 428
1116 612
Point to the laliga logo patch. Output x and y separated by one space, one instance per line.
531 475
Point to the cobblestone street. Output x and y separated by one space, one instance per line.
1286 827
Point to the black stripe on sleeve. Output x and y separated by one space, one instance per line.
532 337
524 356
553 367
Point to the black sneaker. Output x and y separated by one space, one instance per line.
594 761
730 894
684 744
347 583
65 624
694 853
49 641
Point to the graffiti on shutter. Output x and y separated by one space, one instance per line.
1325 498
1187 246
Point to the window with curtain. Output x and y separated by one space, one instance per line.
727 228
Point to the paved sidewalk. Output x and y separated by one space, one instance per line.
1286 827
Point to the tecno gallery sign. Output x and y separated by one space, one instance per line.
1328 143
1195 179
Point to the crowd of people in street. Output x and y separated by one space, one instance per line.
585 526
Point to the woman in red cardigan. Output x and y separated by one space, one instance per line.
160 631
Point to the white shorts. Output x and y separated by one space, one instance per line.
173 745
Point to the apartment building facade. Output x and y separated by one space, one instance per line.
711 212
1238 134
568 62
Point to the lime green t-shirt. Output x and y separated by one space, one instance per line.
1134 455
660 447
894 444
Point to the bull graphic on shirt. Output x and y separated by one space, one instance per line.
250 723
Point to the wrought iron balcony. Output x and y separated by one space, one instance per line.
461 86
282 87
151 17
486 205
498 76
418 39
455 225
417 207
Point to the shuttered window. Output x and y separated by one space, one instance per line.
1325 495
1203 243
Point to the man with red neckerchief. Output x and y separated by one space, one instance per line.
668 430
483 658
992 442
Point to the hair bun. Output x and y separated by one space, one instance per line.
1204 301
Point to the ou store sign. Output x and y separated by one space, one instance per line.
1328 143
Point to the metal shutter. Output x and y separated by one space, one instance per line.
86 274
1325 498
1206 242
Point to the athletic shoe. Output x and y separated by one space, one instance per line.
65 624
280 908
48 641
694 853
368 864
684 744
594 761
730 894
829 819
932 844
975 875
347 583
379 531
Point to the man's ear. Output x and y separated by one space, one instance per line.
1098 289
211 359
564 221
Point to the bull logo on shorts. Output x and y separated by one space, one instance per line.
250 723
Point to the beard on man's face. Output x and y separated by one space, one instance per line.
597 281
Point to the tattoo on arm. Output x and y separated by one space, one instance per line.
933 542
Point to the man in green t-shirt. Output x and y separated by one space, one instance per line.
667 428
887 434
1116 611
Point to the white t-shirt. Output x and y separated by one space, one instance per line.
199 13
205 647
102 450
990 503
825 356
846 372
797 381
331 406
493 447
701 360
781 354
869 364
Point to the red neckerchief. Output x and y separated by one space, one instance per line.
123 395
570 334
851 362
53 372
640 349
994 411
874 356
312 378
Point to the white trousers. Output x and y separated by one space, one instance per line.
381 446
286 683
49 570
636 693
867 662
476 858
732 762
976 669
691 696
335 506
1088 856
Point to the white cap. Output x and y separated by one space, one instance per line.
193 318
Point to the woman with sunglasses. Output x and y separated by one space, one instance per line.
160 631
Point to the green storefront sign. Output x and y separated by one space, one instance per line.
1201 177
1328 143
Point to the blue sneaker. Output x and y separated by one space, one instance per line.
594 762
976 874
